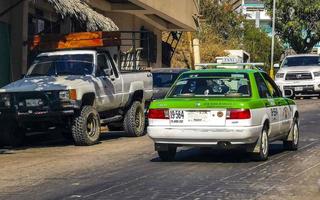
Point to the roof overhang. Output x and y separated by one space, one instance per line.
166 15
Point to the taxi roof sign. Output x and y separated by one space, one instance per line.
231 65
225 60
75 41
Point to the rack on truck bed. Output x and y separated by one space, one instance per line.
136 50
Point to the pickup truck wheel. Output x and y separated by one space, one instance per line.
169 154
134 120
86 127
263 141
11 135
294 143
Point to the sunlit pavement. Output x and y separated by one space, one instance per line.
48 167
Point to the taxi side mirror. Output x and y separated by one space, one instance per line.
288 93
276 66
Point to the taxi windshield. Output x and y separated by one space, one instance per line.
234 85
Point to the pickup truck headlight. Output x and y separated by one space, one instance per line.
5 100
68 95
316 74
64 95
279 75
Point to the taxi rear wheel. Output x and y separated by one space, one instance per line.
169 154
294 143
263 153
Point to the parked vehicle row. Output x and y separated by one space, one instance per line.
77 91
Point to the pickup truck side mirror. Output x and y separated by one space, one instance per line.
107 72
288 93
276 66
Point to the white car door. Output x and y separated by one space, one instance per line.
271 106
283 109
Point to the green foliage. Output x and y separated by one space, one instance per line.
297 23
221 17
258 44
224 29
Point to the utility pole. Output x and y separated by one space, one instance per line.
273 38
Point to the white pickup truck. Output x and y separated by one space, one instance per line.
300 73
76 91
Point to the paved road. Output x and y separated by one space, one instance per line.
127 168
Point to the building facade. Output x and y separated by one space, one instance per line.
20 20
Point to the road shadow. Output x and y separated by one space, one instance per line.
218 155
56 139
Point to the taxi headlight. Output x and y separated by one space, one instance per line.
279 75
316 74
5 100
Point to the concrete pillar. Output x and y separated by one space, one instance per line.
19 35
196 51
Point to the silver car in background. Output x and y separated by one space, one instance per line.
163 78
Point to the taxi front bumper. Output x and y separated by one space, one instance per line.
204 136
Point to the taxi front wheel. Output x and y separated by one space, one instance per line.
169 154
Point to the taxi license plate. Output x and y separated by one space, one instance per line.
33 102
298 89
197 117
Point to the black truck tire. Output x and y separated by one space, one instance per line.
86 127
134 120
11 134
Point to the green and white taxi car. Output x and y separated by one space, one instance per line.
227 107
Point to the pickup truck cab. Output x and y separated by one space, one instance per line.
223 107
76 91
300 73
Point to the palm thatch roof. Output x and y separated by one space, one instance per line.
79 9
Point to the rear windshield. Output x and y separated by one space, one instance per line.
301 61
81 64
164 79
219 85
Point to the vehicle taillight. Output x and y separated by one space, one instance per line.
238 114
158 114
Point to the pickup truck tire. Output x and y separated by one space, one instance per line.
86 127
11 134
134 120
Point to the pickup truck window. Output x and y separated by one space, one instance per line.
56 65
106 63
301 61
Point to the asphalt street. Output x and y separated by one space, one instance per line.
120 167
